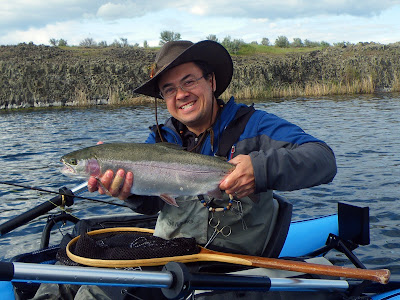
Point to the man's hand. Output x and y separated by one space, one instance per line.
118 186
241 181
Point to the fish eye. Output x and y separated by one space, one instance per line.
73 161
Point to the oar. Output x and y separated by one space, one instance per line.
175 277
39 210
381 276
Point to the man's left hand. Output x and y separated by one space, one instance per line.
241 181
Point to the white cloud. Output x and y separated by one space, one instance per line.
199 10
115 11
138 20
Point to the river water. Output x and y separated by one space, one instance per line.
363 131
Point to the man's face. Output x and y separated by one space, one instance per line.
194 107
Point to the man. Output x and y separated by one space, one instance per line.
268 152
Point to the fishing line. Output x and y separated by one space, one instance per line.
58 193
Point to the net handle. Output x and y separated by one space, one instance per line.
381 276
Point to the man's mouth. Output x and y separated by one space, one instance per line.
187 105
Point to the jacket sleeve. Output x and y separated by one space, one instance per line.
288 158
147 205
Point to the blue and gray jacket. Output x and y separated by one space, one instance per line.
284 158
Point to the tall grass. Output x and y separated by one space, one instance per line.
115 97
359 86
396 83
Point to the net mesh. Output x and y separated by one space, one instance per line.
128 246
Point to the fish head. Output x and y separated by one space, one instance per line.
76 164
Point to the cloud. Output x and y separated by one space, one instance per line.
128 9
37 20
23 14
285 9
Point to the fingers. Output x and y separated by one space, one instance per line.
92 184
241 181
106 181
118 186
126 187
117 183
238 187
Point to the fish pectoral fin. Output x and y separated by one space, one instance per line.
103 187
168 199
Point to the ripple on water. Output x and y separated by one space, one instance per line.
362 131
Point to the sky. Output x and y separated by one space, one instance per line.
137 21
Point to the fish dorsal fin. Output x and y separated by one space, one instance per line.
170 145
223 158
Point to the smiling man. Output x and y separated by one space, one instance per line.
189 96
268 152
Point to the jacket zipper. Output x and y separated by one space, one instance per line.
233 149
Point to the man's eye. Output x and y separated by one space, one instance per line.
189 82
169 91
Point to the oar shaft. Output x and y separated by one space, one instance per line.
43 273
37 211
174 276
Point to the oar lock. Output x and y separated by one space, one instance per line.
67 197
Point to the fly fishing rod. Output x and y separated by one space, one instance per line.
64 197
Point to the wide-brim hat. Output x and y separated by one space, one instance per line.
176 53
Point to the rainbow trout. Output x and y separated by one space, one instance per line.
161 169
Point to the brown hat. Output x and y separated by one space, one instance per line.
176 53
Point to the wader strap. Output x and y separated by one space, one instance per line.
233 131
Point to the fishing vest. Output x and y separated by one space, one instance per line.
256 226
245 228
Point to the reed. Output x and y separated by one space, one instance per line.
356 86
309 89
396 83
81 97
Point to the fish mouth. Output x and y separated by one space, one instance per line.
67 169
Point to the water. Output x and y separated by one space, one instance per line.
363 131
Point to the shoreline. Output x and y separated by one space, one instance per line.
42 76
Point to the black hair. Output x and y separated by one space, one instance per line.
204 67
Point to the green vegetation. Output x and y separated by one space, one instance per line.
281 46
169 36
97 73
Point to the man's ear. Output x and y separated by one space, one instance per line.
213 82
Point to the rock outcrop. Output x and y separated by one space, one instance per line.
37 76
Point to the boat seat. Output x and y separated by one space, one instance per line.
279 234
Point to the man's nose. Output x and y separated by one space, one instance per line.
181 93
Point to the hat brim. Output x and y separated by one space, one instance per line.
213 53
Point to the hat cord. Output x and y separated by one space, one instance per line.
158 126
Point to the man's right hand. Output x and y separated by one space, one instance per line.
118 186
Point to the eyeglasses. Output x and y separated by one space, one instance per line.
186 85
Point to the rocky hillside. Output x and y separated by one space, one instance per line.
35 76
